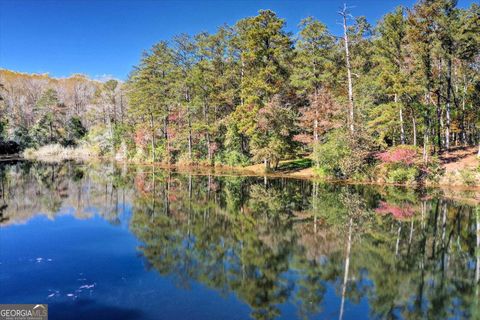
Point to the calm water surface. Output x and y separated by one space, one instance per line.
108 242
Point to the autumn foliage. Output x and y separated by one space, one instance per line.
404 155
399 212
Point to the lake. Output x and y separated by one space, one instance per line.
130 242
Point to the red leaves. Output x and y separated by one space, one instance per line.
303 138
399 212
320 115
406 155
141 137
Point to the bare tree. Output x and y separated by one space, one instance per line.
345 14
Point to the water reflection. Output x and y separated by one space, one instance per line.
276 242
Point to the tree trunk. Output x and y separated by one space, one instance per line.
414 126
189 137
347 269
266 164
397 245
448 102
207 133
426 140
187 99
439 123
315 121
344 14
464 134
152 127
402 128
477 269
165 134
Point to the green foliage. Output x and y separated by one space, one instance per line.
100 141
331 155
469 177
3 128
313 63
75 131
342 156
23 138
255 93
403 175
297 164
232 154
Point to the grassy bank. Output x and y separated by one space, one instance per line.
458 168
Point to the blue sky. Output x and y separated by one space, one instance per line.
106 37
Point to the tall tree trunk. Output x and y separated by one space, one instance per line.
266 164
478 154
121 108
152 128
207 133
347 269
315 121
189 137
167 140
426 139
464 133
414 126
439 123
187 100
448 102
397 245
344 14
402 128
477 269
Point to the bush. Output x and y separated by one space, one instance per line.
469 177
403 175
23 138
343 156
330 157
404 164
75 131
232 158
401 155
100 140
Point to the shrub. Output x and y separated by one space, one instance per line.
232 158
468 177
404 164
100 140
23 137
403 175
330 156
343 155
75 131
401 155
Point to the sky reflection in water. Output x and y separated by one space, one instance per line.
141 243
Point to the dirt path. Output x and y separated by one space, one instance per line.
460 158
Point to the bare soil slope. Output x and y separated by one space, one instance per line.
460 158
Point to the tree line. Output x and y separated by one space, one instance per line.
36 109
253 92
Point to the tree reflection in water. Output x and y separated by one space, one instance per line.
409 254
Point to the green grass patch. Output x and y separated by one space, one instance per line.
294 165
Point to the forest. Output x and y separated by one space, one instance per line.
379 102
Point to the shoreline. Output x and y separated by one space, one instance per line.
222 170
